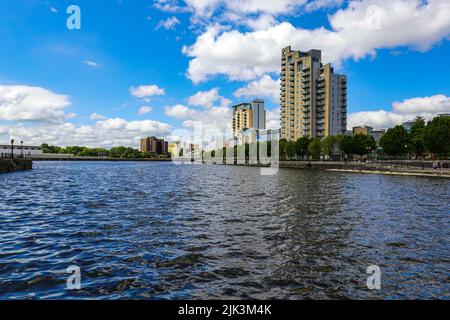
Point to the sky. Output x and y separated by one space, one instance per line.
139 68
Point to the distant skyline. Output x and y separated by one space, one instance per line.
146 68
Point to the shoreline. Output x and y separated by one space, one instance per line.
366 168
99 159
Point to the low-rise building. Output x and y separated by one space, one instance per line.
20 150
366 130
154 145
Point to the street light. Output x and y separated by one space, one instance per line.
21 149
12 148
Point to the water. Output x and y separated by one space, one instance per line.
157 230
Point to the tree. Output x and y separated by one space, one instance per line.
395 141
346 145
437 136
417 142
301 146
290 149
282 146
363 144
314 148
329 144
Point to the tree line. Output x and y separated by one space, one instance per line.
424 139
120 152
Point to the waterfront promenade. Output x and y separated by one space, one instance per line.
407 168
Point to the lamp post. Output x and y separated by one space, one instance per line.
21 149
12 148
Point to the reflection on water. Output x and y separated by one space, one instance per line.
157 230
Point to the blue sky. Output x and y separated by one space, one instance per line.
52 79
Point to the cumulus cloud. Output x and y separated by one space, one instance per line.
104 133
179 111
146 91
215 121
273 119
27 103
207 99
357 31
144 110
264 87
168 24
403 111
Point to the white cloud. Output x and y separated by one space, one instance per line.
320 4
207 99
53 9
91 63
356 32
168 24
273 119
256 14
104 133
144 110
214 120
264 87
206 8
180 111
401 112
169 6
26 103
434 104
146 91
96 116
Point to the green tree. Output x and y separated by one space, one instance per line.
329 145
290 149
417 141
437 136
363 144
282 148
346 145
395 141
314 148
301 146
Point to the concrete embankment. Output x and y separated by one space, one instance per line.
11 165
369 168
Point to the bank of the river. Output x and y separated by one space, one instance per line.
96 159
397 168
11 165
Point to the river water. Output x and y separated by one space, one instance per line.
159 230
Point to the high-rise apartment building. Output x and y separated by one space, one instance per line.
248 116
313 98
154 145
